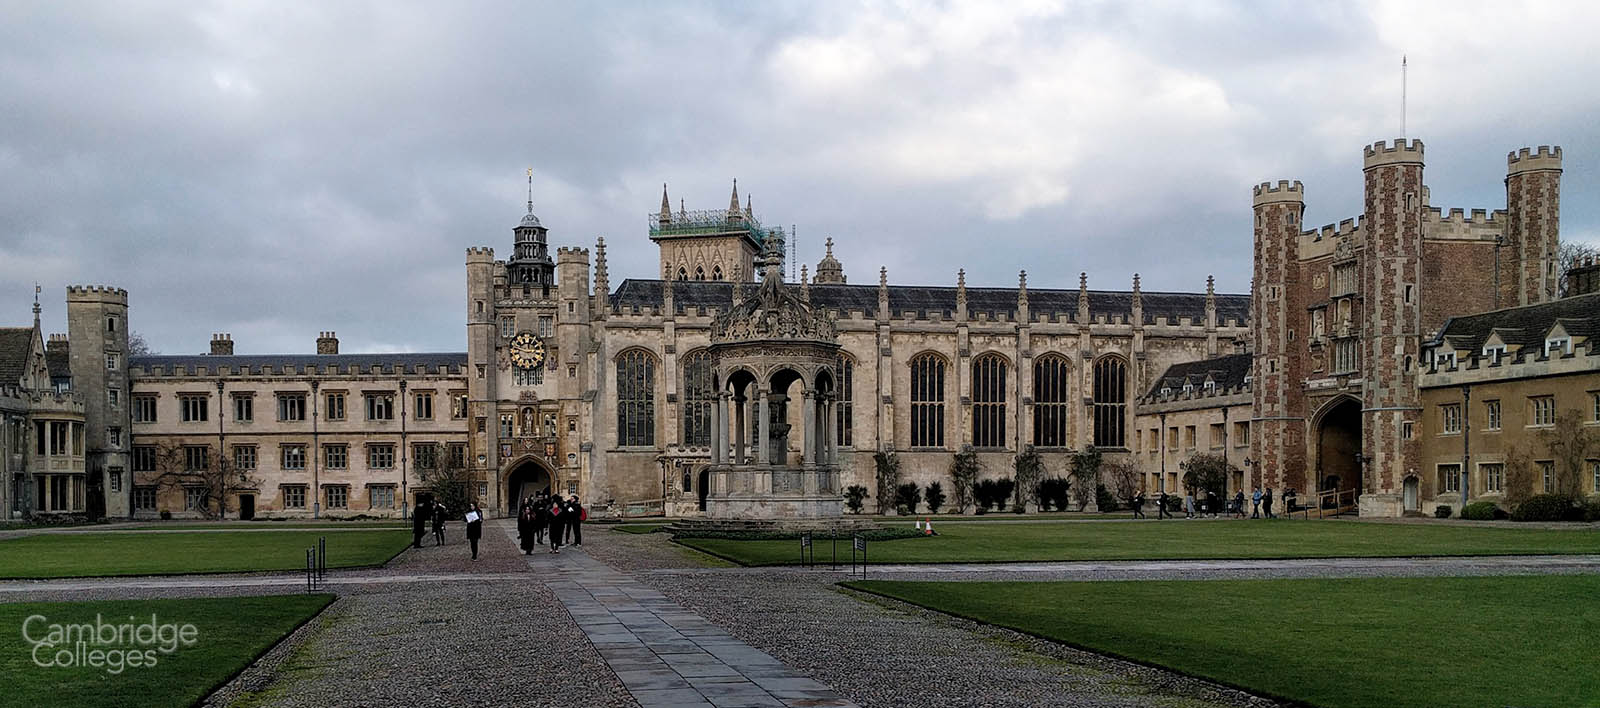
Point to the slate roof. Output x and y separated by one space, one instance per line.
1227 372
59 361
645 294
1525 326
206 364
15 343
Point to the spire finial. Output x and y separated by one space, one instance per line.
961 278
666 205
683 211
36 291
1211 285
1083 281
1136 282
829 245
733 202
749 208
530 190
883 276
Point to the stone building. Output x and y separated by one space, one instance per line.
1194 408
327 434
1498 380
613 393
1341 312
61 449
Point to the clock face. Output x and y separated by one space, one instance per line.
527 351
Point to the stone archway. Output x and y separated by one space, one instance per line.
527 478
1338 448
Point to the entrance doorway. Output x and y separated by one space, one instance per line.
1413 502
703 485
526 480
1339 451
247 507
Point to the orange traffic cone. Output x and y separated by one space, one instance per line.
927 527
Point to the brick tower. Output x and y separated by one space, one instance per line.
1278 448
1391 270
1533 205
97 327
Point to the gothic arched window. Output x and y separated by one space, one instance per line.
846 401
927 401
683 274
989 401
699 273
716 272
698 394
1052 406
636 398
1110 402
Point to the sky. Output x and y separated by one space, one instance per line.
274 169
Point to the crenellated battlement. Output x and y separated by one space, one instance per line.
1346 227
1383 153
480 254
1285 191
1530 160
572 254
97 293
1460 224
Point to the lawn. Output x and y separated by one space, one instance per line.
1525 641
1151 540
637 528
68 555
229 634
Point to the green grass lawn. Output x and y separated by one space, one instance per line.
308 524
231 633
68 555
1179 539
1522 641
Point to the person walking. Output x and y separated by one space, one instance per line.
438 523
1138 504
541 517
525 534
558 519
1266 503
1188 504
1238 503
579 515
1255 508
1161 505
474 519
419 524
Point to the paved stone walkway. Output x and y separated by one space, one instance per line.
667 656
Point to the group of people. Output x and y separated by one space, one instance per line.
1210 505
435 512
550 515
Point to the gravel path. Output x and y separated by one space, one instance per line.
883 653
450 642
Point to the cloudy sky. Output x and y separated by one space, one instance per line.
273 169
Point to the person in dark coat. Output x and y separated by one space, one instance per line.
1266 503
474 521
558 520
419 524
525 533
1138 504
576 520
1161 505
541 517
1238 503
438 524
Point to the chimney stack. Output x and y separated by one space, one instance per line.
56 343
222 344
327 343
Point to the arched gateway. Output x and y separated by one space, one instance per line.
526 479
772 353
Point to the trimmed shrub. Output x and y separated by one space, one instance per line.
1591 509
1480 511
906 498
854 495
1548 507
1104 499
934 497
983 494
1003 489
1442 511
1055 492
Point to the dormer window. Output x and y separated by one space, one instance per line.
1445 359
1558 345
1211 386
1493 353
1188 388
1166 391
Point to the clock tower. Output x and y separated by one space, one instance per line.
516 423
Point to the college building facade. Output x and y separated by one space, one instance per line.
1316 381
